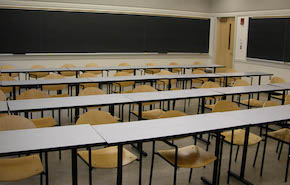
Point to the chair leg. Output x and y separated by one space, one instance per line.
208 141
278 144
237 153
287 167
46 168
190 174
175 166
256 154
280 151
152 162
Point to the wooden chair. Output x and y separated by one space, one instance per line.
149 114
152 71
106 157
37 75
230 81
252 102
282 136
186 157
19 168
274 80
94 72
209 84
270 104
13 75
88 75
198 63
122 85
199 80
238 135
38 94
165 83
57 88
68 73
91 91
175 70
131 71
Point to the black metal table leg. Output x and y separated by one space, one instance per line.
244 160
259 83
120 164
140 146
74 166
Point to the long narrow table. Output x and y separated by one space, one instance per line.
143 131
39 140
109 68
3 107
283 85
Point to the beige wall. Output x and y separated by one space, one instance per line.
223 6
183 5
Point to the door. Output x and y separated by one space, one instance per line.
225 42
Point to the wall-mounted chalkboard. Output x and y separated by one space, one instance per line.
38 31
269 39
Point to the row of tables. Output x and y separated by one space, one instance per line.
108 80
111 68
61 138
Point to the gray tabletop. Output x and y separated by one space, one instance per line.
171 95
161 128
107 68
261 115
3 107
247 89
34 70
246 74
286 86
48 138
67 102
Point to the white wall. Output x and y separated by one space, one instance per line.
223 6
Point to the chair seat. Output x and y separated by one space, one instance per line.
44 122
86 85
239 137
282 134
94 72
188 157
14 169
150 114
59 96
3 114
38 74
209 106
253 103
68 73
54 87
199 80
107 157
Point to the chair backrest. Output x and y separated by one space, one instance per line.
87 75
224 106
209 84
92 65
270 104
241 83
54 76
198 71
32 94
91 91
13 122
144 88
230 70
2 96
37 67
122 73
67 65
124 64
197 63
287 100
277 79
6 78
174 64
172 113
165 72
96 117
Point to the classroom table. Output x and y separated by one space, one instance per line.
3 107
256 117
109 68
249 90
283 85
246 74
152 130
40 140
